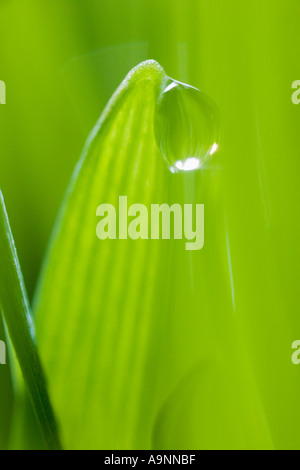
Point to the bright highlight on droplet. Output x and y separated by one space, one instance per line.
189 164
214 149
187 127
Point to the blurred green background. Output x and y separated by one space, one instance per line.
61 61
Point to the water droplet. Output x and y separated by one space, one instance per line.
187 127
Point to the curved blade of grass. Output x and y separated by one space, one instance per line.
16 311
5 397
100 304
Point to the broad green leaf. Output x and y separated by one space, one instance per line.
15 307
197 414
124 326
100 303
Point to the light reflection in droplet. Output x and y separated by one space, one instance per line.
187 127
189 164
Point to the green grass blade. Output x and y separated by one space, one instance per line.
99 306
16 310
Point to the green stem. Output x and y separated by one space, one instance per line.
15 307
